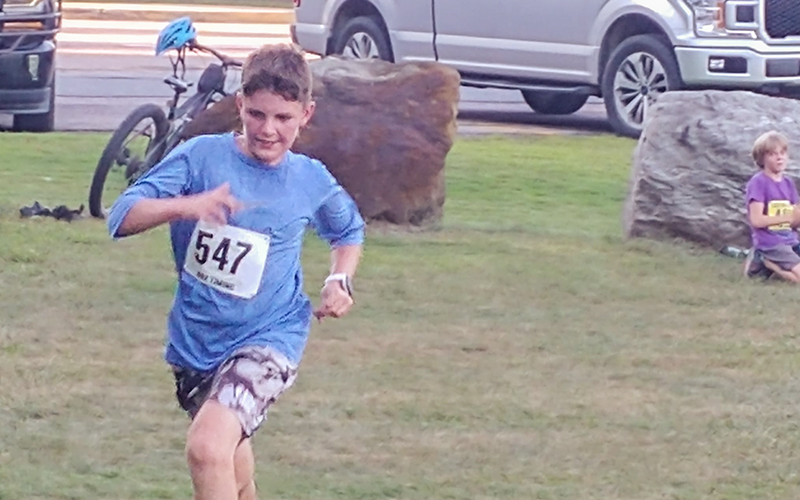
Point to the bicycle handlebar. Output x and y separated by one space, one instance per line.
225 60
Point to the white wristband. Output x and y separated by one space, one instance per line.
342 278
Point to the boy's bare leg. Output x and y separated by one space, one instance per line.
211 444
244 466
796 273
787 275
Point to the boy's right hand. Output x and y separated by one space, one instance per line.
213 206
794 216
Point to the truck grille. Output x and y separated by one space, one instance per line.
25 24
782 18
20 40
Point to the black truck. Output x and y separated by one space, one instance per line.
28 62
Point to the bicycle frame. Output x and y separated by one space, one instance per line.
180 115
168 129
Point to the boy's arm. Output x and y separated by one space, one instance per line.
141 206
337 298
345 259
214 206
759 220
795 199
339 222
160 196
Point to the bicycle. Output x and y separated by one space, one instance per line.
163 130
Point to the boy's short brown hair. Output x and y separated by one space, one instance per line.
279 68
767 143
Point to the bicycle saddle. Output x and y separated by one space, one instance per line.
176 83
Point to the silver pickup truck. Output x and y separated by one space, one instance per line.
560 52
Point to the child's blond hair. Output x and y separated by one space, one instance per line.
767 143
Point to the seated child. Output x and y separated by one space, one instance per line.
771 198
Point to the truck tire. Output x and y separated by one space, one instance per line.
639 70
42 122
363 38
554 103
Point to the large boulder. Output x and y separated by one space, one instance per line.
382 129
693 161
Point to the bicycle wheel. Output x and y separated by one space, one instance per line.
143 131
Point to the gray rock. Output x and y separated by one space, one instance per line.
382 129
693 161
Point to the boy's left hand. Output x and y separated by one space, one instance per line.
336 302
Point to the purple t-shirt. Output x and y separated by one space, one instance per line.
778 198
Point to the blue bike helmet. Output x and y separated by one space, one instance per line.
175 35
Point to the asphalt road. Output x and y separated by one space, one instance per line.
107 68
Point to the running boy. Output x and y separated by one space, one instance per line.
771 198
238 206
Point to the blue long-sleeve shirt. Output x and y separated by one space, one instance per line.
242 284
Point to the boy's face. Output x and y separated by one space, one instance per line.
271 124
775 160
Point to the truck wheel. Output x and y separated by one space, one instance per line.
639 70
554 103
362 38
43 122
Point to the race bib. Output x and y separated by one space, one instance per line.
227 258
779 207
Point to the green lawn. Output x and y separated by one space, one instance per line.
523 350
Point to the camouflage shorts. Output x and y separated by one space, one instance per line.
248 383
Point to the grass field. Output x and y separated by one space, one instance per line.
524 350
